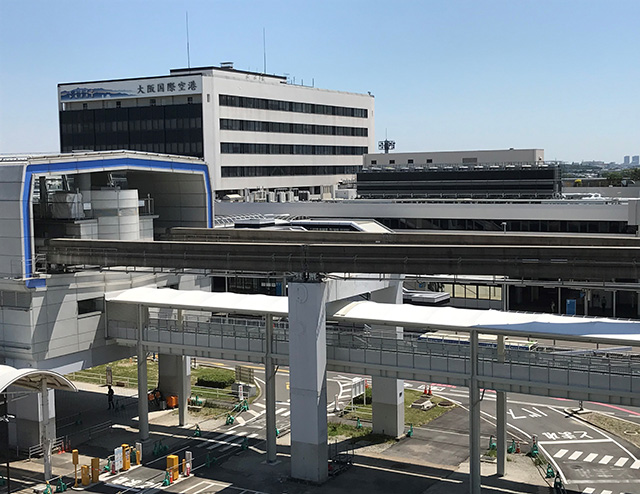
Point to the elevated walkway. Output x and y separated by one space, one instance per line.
598 377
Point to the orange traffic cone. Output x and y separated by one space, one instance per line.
517 446
425 390
429 392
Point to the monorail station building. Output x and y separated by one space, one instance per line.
258 133
53 317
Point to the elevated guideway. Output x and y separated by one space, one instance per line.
378 353
528 256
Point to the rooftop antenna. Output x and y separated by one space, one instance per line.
264 51
188 54
386 145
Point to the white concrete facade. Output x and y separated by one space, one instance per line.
212 82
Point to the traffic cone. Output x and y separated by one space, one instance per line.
518 447
429 392
425 390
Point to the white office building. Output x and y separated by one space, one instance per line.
258 133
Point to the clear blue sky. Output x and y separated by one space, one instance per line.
563 75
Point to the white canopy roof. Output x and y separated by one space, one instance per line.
199 300
550 326
31 379
492 321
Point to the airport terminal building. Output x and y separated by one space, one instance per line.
257 132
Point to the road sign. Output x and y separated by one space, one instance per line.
117 454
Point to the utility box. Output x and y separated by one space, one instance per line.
126 457
85 475
95 469
172 466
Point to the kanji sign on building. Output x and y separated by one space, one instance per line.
152 87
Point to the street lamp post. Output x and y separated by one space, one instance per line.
4 418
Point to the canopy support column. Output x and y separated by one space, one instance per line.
474 418
270 376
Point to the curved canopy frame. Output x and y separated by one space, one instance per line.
32 379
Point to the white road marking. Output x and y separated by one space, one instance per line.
590 457
636 465
197 485
575 455
577 441
231 445
254 413
286 414
561 453
621 462
280 410
261 405
606 492
206 441
588 490
605 459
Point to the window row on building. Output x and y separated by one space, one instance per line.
509 225
291 128
284 171
173 129
291 106
302 149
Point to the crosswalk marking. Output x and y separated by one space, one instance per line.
287 413
621 462
261 405
606 492
605 459
231 445
205 442
590 457
636 465
575 455
254 413
280 410
561 453
588 490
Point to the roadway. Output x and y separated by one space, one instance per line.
590 460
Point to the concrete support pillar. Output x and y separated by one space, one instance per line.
270 391
501 416
28 428
308 377
388 393
474 418
47 432
174 378
143 402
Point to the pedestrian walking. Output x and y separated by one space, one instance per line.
110 394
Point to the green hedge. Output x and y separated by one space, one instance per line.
215 378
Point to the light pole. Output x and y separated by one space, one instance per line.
4 418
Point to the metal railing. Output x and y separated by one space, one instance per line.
37 450
234 331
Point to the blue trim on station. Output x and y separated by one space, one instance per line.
122 163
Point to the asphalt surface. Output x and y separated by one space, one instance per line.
230 459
